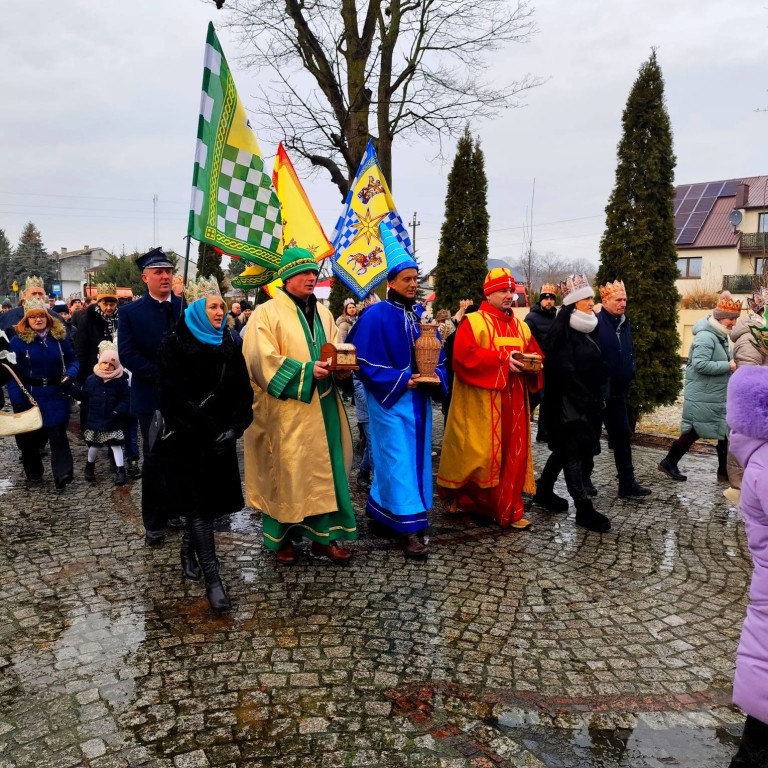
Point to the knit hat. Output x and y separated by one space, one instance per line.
758 301
609 290
198 288
35 305
548 289
498 279
398 257
575 288
295 261
106 291
60 306
727 307
244 305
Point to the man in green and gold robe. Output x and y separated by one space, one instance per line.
298 449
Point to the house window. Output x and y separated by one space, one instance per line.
759 266
762 222
689 268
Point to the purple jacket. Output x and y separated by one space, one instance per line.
747 409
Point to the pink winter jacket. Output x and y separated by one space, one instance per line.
748 419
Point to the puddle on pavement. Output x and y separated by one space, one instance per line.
6 484
640 747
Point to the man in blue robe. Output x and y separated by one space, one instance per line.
399 407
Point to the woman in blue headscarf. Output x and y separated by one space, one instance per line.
206 402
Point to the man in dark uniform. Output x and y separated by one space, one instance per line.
141 327
540 320
615 333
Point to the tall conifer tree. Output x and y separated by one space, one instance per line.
31 258
5 264
638 245
462 261
209 265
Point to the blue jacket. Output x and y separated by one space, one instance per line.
141 326
109 402
615 335
37 360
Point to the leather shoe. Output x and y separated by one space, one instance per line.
154 538
414 547
333 551
176 523
633 490
286 555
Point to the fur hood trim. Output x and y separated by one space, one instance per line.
27 335
748 401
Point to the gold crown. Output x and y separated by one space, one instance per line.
727 303
759 300
609 290
33 281
201 287
549 288
574 288
106 289
35 305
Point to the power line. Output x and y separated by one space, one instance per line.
84 197
542 224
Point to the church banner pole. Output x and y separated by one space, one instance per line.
186 259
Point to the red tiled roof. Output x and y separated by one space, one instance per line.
717 232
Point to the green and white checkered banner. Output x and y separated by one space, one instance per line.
234 205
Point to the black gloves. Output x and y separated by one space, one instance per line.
222 441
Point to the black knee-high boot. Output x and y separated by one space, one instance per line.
205 549
668 465
722 460
189 565
753 750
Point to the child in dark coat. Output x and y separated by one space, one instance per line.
109 399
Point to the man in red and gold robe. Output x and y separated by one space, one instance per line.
486 463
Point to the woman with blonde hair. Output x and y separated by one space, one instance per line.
46 364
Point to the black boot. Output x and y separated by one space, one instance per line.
589 486
668 465
189 565
631 489
120 478
205 549
722 461
753 749
364 480
546 497
90 471
588 517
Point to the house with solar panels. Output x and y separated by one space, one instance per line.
721 235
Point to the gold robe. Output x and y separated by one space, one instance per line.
288 472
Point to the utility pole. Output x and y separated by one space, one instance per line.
154 220
414 224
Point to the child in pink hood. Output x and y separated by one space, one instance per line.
747 414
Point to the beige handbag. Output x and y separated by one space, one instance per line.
26 421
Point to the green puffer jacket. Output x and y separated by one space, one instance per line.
706 381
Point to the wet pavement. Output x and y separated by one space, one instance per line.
547 647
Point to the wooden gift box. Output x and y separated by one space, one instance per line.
340 357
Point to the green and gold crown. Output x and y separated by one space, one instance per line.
106 290
33 281
199 288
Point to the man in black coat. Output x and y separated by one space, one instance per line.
615 333
142 325
540 320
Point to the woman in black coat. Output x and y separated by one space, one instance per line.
206 401
573 402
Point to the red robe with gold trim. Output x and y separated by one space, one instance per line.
486 462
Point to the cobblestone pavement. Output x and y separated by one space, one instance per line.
549 647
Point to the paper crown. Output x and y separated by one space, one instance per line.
727 307
498 279
548 288
398 257
33 281
35 305
107 346
199 288
609 290
759 300
106 290
575 288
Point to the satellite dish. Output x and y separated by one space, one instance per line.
735 217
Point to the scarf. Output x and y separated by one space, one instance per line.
720 329
395 297
200 326
583 322
110 320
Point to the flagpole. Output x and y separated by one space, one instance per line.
186 259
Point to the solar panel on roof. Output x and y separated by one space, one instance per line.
705 204
729 188
688 205
692 228
713 189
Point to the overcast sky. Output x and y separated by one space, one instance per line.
100 100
